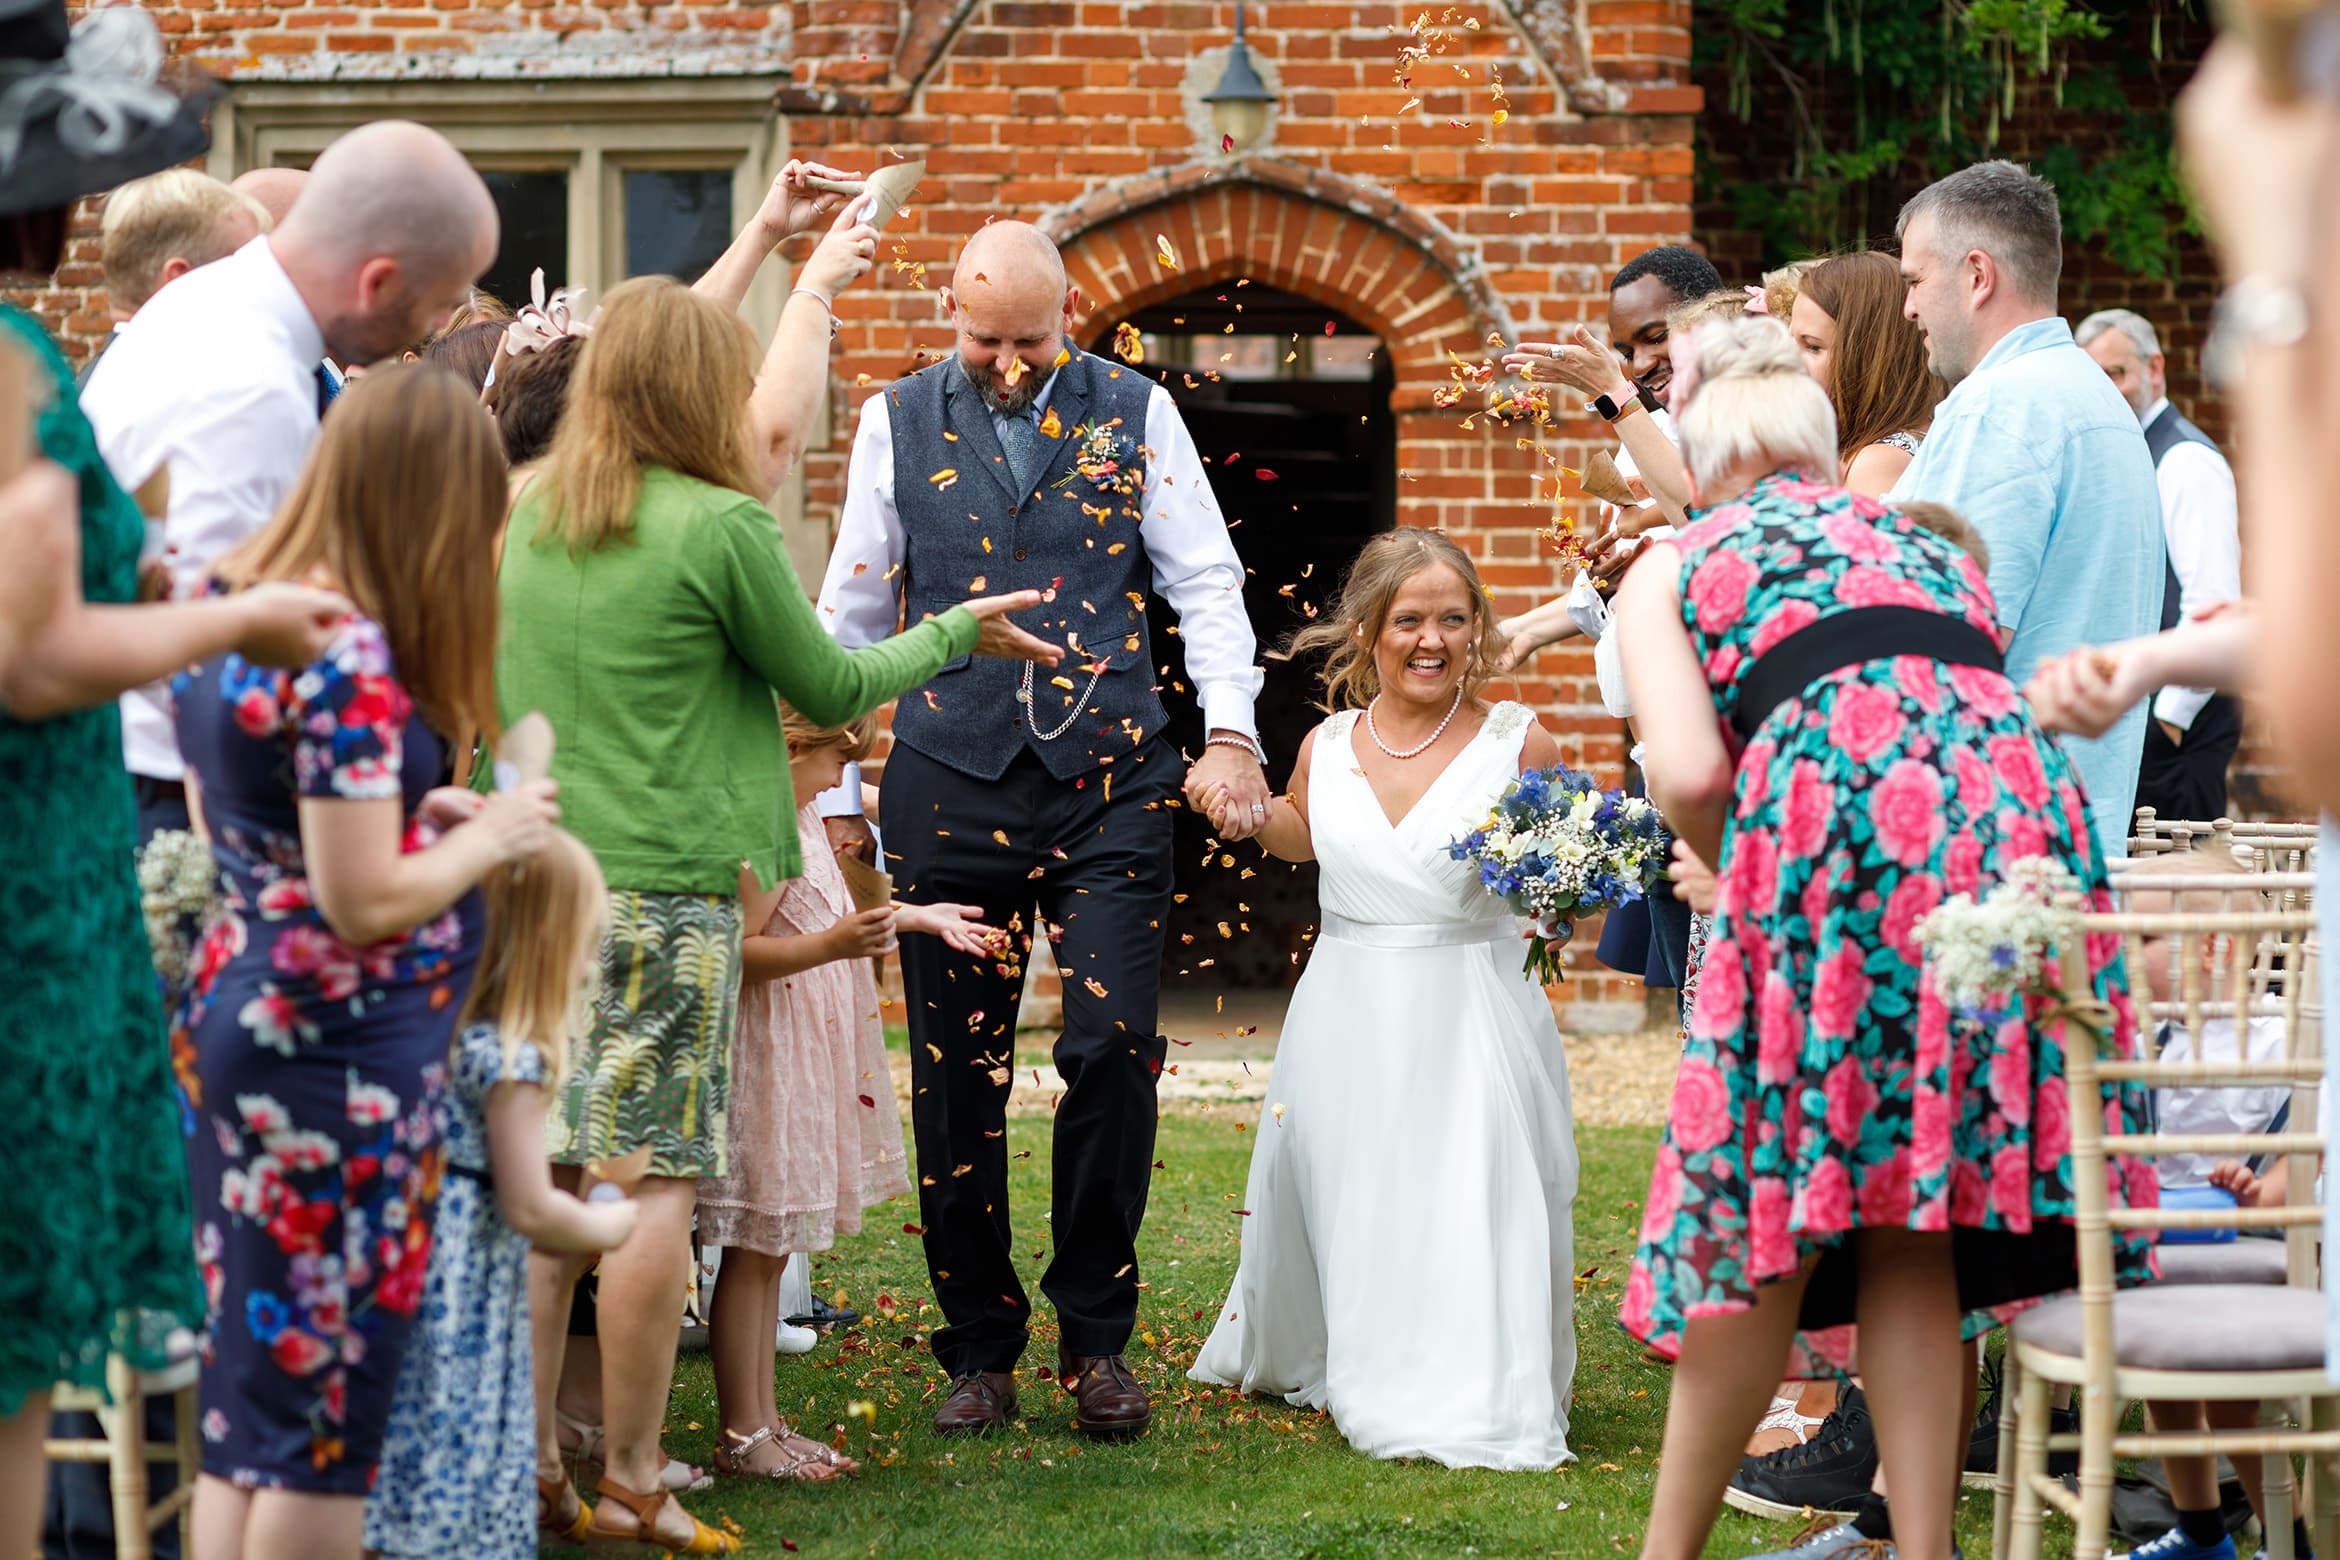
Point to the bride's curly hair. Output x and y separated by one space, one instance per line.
1345 636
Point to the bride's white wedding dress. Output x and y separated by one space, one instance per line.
1407 1262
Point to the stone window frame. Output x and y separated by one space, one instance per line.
595 130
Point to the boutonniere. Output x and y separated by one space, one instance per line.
1104 459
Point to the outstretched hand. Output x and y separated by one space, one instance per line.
1003 638
1583 363
961 927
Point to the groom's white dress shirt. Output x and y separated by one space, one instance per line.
217 379
1195 565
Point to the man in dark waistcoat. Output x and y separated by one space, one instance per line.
1022 462
2194 731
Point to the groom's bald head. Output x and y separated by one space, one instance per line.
1010 304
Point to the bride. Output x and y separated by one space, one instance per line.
1416 1156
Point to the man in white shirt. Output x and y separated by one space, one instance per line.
218 384
2194 731
1020 463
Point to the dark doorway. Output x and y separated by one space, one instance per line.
1289 403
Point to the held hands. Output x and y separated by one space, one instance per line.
2086 691
1583 363
1002 638
1694 881
844 257
443 807
961 927
865 934
1227 786
791 207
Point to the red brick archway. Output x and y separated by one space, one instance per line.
1385 266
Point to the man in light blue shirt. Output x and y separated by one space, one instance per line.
2034 447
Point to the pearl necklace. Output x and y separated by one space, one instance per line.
1425 744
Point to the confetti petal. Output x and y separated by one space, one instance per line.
1163 253
1128 345
945 477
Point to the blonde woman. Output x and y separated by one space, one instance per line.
1416 1154
651 613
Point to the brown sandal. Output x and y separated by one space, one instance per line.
645 1510
560 1510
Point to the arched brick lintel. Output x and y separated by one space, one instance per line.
1336 240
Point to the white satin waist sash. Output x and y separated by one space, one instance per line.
1421 934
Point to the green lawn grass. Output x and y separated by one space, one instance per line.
1215 1476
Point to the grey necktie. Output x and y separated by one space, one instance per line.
1019 437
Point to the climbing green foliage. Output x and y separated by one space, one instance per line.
1836 110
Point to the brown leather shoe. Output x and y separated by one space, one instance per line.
1108 1402
980 1400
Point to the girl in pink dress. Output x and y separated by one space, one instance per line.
815 1134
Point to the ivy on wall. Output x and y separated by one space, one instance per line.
1834 111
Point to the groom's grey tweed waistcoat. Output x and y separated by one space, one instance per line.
982 535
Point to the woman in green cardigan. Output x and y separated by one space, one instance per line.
650 612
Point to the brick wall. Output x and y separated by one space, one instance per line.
1405 206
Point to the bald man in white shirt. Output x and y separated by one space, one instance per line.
219 380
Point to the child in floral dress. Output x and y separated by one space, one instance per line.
459 1454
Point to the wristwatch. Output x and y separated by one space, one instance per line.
1609 411
2257 311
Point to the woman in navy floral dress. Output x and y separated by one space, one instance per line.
1839 1144
314 1044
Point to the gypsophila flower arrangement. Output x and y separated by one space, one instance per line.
1987 956
1558 847
177 877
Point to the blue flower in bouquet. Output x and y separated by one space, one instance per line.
1558 846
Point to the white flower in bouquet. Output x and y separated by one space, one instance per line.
1984 955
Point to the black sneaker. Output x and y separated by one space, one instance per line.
824 1316
1829 1473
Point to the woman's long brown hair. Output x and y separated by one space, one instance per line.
1878 381
398 509
662 381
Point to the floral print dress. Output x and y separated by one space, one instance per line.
1824 1086
459 1458
314 1071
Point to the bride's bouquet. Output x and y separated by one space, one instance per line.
1558 847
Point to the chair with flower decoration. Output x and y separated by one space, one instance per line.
128 1454
2179 1341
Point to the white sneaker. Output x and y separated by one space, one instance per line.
795 1340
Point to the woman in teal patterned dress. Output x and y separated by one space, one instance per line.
1840 1146
95 1250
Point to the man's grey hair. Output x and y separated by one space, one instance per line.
2136 327
2006 211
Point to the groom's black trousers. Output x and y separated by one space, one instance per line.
1098 868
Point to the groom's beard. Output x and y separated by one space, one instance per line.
1001 397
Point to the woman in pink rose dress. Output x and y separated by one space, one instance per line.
1840 1146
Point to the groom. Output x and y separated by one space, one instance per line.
1021 463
